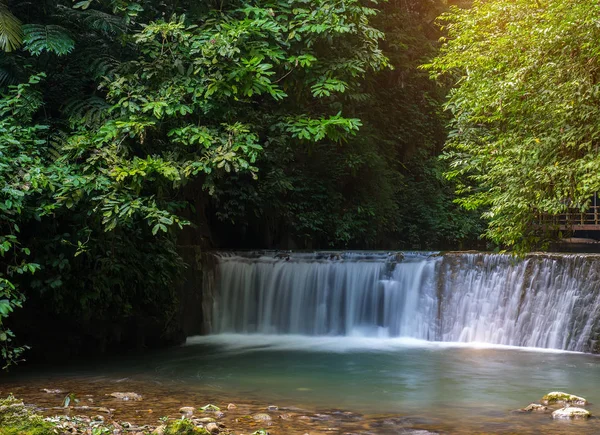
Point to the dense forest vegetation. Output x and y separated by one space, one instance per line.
129 128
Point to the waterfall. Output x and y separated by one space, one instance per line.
546 301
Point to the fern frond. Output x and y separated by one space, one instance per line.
56 141
11 33
104 66
39 38
88 110
103 22
12 71
95 20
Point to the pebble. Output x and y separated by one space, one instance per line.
212 428
261 417
272 408
231 406
52 391
126 396
534 407
187 411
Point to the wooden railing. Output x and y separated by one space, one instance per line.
572 219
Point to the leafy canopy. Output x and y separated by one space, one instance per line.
525 110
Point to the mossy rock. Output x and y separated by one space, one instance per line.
17 419
184 427
563 398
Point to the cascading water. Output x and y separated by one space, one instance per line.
547 301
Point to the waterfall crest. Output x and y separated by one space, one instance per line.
545 301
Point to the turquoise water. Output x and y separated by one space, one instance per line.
443 387
380 375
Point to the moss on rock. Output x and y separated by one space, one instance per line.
184 427
17 419
560 397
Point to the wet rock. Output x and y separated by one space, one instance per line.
160 430
285 416
261 417
570 412
321 417
187 411
52 391
565 398
534 407
219 414
204 420
272 408
231 406
98 418
212 428
126 396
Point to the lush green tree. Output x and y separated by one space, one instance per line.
525 110
382 188
110 108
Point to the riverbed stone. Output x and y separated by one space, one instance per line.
262 417
564 398
231 406
187 411
212 428
160 430
571 412
534 407
126 396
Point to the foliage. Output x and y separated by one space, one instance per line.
525 111
94 187
282 122
379 189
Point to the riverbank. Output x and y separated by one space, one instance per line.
93 408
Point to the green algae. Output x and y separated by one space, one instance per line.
184 427
17 419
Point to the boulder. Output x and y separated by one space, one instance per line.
571 412
563 398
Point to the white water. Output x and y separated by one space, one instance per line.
550 302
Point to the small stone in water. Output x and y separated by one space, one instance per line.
51 391
534 407
261 417
126 396
219 414
187 410
231 406
272 408
571 413
98 418
212 428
